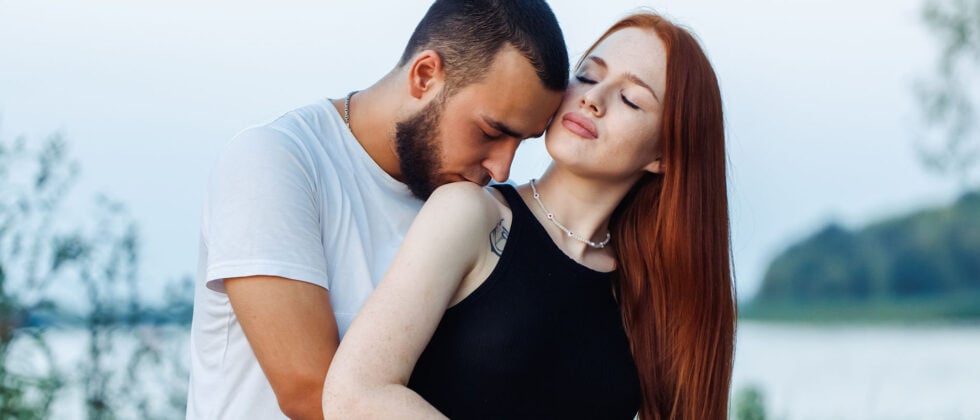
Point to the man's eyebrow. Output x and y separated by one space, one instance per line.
503 128
629 76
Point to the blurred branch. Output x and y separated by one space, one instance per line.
45 246
950 145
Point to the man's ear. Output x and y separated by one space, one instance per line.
426 74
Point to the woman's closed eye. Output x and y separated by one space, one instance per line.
629 103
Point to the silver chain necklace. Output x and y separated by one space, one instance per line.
347 109
551 217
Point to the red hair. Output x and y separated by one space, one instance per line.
673 249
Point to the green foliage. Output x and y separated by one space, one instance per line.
750 404
24 395
927 260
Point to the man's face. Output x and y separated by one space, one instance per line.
473 134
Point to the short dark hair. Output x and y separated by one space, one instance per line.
468 34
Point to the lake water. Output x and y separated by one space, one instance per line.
862 372
805 372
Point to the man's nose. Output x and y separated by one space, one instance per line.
500 159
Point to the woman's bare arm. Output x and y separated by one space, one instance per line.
370 370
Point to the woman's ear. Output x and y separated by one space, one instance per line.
656 167
426 74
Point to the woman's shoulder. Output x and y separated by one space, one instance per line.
467 196
468 201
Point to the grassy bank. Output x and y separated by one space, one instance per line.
950 308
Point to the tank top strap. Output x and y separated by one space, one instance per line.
510 193
517 205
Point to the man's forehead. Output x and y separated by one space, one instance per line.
501 126
521 119
517 106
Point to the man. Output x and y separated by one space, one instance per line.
304 214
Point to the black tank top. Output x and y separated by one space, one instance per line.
541 338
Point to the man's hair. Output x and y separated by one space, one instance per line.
468 34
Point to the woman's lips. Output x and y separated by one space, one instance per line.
579 125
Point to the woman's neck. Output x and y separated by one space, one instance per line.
582 205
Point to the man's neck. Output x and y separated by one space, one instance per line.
373 116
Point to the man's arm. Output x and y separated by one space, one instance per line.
292 331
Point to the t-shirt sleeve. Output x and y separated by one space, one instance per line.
263 211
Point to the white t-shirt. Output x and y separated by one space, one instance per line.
297 198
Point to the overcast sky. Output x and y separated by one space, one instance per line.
820 116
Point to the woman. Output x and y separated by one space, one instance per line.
602 290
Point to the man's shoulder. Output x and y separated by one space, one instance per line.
307 119
305 124
264 144
301 133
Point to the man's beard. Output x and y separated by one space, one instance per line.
418 151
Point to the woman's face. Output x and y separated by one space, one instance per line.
609 121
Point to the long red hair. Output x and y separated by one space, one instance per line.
673 248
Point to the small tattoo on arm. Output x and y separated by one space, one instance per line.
498 238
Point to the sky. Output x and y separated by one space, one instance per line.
820 116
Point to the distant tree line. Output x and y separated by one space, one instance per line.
929 253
